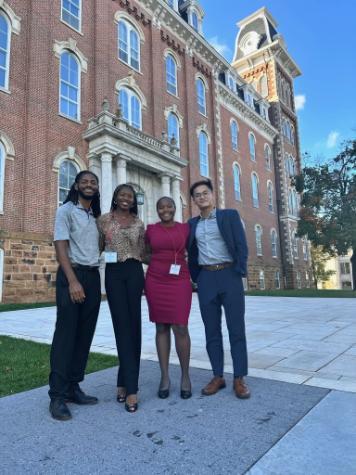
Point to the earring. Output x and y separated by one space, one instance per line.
115 202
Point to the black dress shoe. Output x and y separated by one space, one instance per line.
59 410
163 393
79 397
184 394
131 407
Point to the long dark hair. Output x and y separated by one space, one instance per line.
134 208
73 194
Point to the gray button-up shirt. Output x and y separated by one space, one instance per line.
211 245
78 226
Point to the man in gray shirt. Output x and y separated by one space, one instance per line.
78 293
217 253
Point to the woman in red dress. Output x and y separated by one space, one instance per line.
169 292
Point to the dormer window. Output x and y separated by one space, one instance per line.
195 21
231 83
173 4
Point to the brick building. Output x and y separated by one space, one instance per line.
133 91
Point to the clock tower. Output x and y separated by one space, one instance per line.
261 58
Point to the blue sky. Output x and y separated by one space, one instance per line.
320 36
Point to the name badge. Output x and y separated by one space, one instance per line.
175 269
110 257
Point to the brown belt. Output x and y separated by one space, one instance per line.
214 267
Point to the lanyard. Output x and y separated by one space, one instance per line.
175 250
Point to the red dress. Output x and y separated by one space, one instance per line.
169 296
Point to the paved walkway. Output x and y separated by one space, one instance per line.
283 429
297 340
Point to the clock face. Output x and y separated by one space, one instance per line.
249 42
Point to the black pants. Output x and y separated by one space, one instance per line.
219 289
124 283
74 332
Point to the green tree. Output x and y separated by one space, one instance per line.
318 264
328 206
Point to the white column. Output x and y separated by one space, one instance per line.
176 197
121 175
165 185
106 181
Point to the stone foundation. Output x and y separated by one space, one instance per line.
269 274
29 267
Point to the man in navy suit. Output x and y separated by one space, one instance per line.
217 255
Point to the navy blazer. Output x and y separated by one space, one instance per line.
233 233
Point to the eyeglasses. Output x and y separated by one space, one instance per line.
203 194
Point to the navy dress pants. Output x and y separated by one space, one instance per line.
217 290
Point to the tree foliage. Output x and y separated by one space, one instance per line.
318 263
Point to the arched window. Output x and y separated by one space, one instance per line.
130 107
258 236
292 135
71 13
201 96
305 249
252 146
129 44
171 75
277 280
173 127
255 191
274 243
234 135
268 157
203 154
5 33
237 182
2 177
262 280
69 86
1 271
66 176
270 196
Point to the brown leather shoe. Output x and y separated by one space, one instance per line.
213 387
241 388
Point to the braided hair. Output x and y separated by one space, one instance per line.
73 194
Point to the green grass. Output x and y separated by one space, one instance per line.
9 307
24 364
304 293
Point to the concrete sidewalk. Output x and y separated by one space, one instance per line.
283 429
308 341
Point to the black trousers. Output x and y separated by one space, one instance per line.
124 283
74 332
217 289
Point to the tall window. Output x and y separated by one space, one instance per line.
173 127
270 196
2 177
234 135
201 96
237 182
4 51
268 157
1 271
71 13
295 245
258 236
305 249
273 243
67 174
277 280
255 191
299 280
129 44
262 280
203 154
171 75
252 146
195 21
130 107
69 86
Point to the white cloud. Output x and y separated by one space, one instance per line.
332 139
222 48
299 101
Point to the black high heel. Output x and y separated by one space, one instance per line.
163 393
131 407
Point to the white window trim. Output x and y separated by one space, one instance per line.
131 92
174 94
259 252
205 113
270 187
207 154
178 127
257 205
9 154
79 30
234 121
250 134
78 119
267 147
78 169
236 165
274 233
261 273
2 173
